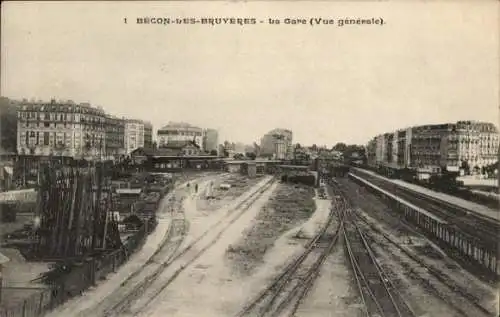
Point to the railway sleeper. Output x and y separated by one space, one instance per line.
468 248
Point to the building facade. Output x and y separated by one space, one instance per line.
267 145
476 142
180 131
276 142
134 135
148 135
115 137
61 128
78 131
280 150
449 145
210 140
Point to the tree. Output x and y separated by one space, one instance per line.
8 125
251 155
341 147
350 150
239 156
213 152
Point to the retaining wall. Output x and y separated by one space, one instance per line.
446 234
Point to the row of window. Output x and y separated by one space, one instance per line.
61 117
181 133
83 108
61 125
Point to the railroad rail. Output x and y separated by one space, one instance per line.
134 284
376 290
240 209
377 293
433 270
441 224
294 282
465 219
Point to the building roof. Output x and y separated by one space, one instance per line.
295 167
155 152
167 152
180 144
178 125
256 161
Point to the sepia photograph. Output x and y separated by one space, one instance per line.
250 158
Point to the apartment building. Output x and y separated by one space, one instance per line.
449 145
280 149
277 143
148 135
210 140
79 131
476 142
134 135
61 128
115 137
180 131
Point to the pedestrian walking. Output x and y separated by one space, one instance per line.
195 188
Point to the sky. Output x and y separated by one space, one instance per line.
431 62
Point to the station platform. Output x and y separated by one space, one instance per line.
484 211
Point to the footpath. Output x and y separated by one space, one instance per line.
113 281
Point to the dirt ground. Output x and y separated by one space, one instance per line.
334 292
205 287
239 185
97 299
290 206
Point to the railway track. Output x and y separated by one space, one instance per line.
376 290
136 281
377 293
291 286
190 254
469 222
442 277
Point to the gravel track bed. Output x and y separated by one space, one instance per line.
390 223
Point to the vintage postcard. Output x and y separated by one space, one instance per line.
249 158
